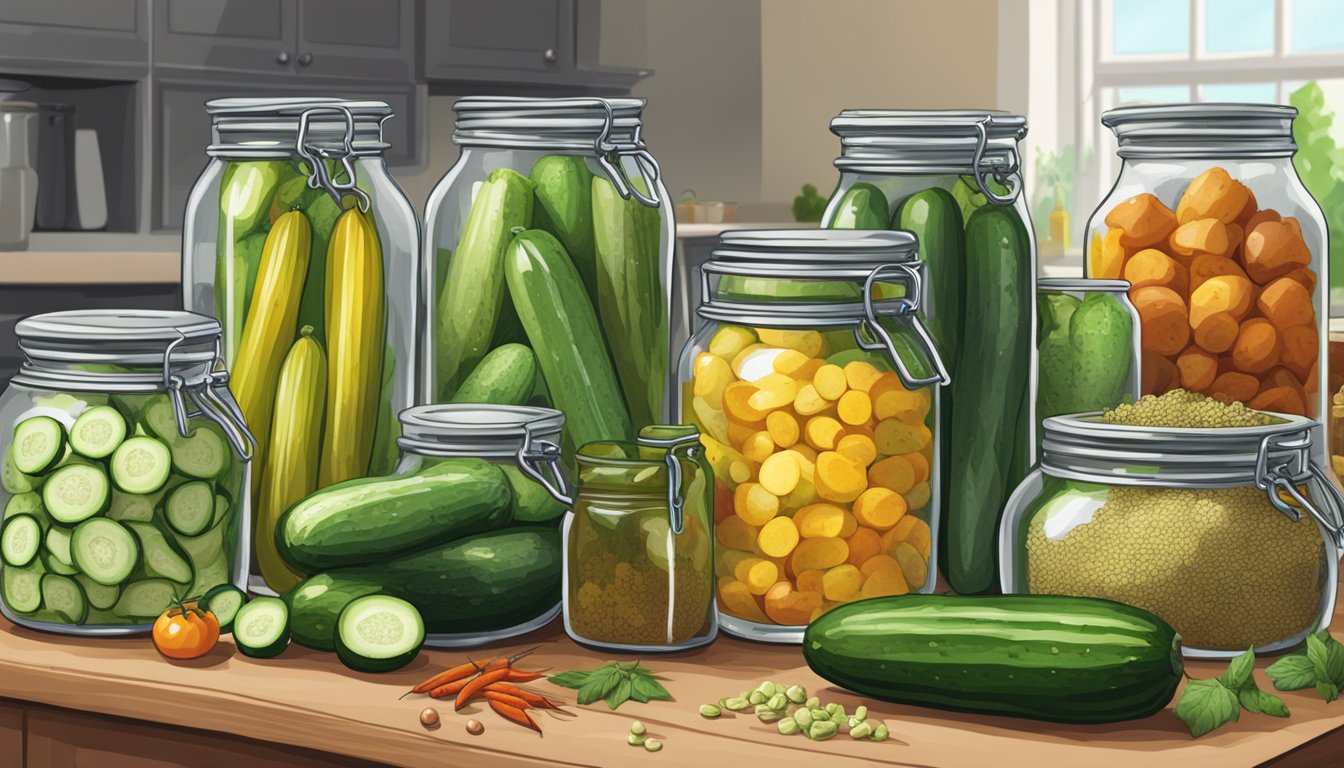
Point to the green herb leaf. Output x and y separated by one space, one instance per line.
621 694
1334 661
1292 673
600 684
652 689
1319 656
1255 700
1329 691
1239 671
1207 705
637 693
574 678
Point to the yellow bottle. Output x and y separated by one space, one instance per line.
1059 223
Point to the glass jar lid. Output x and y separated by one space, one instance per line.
1275 458
130 337
272 128
606 129
1089 284
982 143
1203 130
834 273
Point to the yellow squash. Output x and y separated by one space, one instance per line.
355 326
269 329
291 463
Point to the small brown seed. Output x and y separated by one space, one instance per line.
475 727
429 717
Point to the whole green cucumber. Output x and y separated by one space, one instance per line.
563 330
993 366
316 603
1054 353
933 217
531 502
1101 335
469 305
564 207
322 212
371 519
630 301
1061 659
481 583
507 375
863 206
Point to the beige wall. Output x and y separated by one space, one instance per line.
818 58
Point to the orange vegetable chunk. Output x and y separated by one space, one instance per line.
1162 315
1258 346
1212 194
1286 303
1200 236
1153 267
1142 219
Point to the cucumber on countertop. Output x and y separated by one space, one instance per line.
1062 659
316 603
261 628
378 633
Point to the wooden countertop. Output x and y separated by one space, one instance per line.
307 699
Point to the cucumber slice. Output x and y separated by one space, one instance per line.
224 601
261 627
210 575
379 633
159 420
75 493
221 509
14 481
104 550
39 445
63 595
98 431
204 548
140 465
203 455
20 540
58 544
146 598
21 588
190 508
131 506
101 596
159 556
53 564
29 503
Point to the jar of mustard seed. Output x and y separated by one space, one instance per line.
1211 515
639 556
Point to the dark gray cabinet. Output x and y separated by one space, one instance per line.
106 39
498 39
337 39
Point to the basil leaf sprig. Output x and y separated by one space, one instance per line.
1207 705
615 683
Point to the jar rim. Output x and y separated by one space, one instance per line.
142 337
261 128
1202 131
486 430
928 142
1088 284
571 123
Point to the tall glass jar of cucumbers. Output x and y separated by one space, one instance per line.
298 240
548 262
125 479
954 179
813 381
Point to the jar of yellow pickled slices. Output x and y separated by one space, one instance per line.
814 383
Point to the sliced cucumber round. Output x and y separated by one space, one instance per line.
224 601
75 493
20 540
63 595
14 481
204 454
58 544
54 564
145 599
379 633
131 506
261 627
159 420
29 503
104 550
39 444
21 588
101 596
160 556
98 431
190 508
141 465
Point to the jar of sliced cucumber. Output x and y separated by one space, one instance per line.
125 474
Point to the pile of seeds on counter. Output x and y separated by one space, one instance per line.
794 711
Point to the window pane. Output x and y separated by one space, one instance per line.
1151 94
1250 93
1148 27
1238 26
1318 25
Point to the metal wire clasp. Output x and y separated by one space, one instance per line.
684 446
1283 463
204 395
536 458
1007 176
609 154
871 336
319 178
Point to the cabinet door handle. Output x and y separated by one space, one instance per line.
548 55
305 58
282 57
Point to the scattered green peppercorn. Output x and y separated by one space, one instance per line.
736 704
812 702
756 697
796 694
860 731
778 702
653 745
821 714
880 732
788 726
709 710
634 739
822 730
834 707
861 713
638 728
803 717
766 714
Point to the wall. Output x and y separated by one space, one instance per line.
819 58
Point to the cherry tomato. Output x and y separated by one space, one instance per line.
185 632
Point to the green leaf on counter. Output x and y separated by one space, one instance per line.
1239 671
571 679
1329 691
621 694
1253 699
651 688
600 684
1207 705
615 683
1318 653
1292 673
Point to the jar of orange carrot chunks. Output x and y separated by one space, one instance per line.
1225 251
813 381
